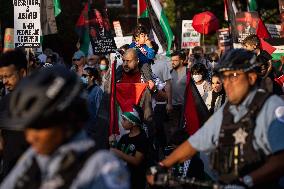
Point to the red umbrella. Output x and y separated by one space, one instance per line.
205 22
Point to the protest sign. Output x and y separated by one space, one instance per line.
189 37
119 41
246 24
117 29
100 32
274 30
8 39
27 23
224 39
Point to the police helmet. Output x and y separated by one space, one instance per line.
238 59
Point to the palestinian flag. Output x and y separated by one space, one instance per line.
57 7
142 9
82 29
158 20
252 5
230 14
261 30
126 100
195 112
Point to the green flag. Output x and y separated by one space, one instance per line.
252 5
57 7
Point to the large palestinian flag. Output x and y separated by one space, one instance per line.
153 10
195 111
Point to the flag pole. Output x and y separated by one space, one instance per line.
138 8
231 21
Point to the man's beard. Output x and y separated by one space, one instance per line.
130 72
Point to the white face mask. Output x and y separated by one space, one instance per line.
197 78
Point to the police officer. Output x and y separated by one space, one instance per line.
49 108
245 136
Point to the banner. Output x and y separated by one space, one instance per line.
27 24
274 30
8 39
100 32
281 10
189 37
117 29
224 39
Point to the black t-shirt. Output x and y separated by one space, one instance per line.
130 145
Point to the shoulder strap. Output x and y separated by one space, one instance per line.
255 106
72 164
258 101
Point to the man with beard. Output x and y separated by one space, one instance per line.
132 74
13 67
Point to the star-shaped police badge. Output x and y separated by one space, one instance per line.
240 136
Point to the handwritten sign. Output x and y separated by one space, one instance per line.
27 23
190 38
100 32
117 29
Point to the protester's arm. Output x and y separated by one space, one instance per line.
183 152
150 51
168 89
203 140
133 160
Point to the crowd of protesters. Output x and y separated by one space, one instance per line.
55 116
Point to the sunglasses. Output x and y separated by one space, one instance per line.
75 59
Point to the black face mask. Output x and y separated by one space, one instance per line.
197 56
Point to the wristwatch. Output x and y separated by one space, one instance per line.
247 180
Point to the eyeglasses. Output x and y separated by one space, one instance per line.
75 59
85 75
231 77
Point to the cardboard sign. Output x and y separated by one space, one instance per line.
189 37
8 39
27 23
100 32
117 29
224 39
